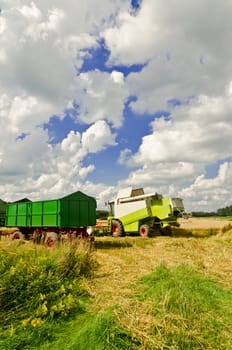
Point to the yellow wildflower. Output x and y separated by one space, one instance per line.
70 301
36 322
61 306
62 289
12 270
54 308
42 296
25 322
44 308
12 331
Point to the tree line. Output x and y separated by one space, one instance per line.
227 211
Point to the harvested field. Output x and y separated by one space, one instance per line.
123 260
203 223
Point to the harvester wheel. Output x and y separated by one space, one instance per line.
51 239
17 235
144 230
117 228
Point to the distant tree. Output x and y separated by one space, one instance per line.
2 212
102 214
227 211
201 214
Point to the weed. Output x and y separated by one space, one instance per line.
38 285
226 228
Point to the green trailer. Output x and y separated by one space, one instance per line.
70 215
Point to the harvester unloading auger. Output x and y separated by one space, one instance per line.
133 211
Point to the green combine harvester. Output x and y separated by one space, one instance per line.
133 211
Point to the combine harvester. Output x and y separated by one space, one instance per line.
147 214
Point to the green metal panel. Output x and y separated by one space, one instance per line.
135 216
51 213
45 213
74 210
133 227
78 210
161 208
17 214
36 214
11 211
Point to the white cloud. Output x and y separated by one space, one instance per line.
102 97
178 149
3 25
158 27
30 11
117 77
210 193
133 38
187 53
97 137
194 134
36 31
42 45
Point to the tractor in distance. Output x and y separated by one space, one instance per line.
133 211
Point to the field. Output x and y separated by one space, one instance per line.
203 223
159 293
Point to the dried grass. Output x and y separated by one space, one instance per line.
123 261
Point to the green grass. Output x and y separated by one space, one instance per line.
38 289
189 310
93 332
83 332
45 306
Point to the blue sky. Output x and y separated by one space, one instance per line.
135 126
96 96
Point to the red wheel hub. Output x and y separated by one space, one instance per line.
50 242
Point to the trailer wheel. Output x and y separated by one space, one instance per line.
144 230
51 239
17 235
117 228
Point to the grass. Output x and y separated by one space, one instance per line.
38 289
227 228
128 293
189 311
93 332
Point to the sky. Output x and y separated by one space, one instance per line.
96 96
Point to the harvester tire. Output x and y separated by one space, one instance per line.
51 240
117 228
144 230
17 235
